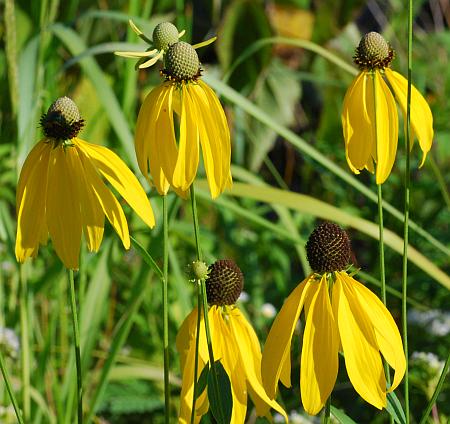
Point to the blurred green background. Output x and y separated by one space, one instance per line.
281 69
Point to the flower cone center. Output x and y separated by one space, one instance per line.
224 283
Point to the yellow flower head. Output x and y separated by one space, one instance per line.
61 192
369 113
235 345
341 315
176 118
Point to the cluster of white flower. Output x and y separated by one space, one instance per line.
9 342
430 359
436 321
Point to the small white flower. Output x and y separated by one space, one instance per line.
244 297
268 310
9 342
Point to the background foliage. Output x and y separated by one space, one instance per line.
283 100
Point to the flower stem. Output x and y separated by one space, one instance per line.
406 213
166 310
437 390
76 338
9 389
197 340
25 344
327 411
204 305
382 268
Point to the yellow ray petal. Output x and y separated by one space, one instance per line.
188 149
421 117
63 206
92 216
357 124
221 120
386 331
319 360
250 357
276 354
164 144
362 359
151 61
120 177
386 127
31 196
204 43
106 199
134 55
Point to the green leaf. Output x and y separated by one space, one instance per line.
202 381
394 407
146 257
221 404
341 416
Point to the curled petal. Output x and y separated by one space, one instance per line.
386 331
421 117
319 360
362 358
276 360
357 123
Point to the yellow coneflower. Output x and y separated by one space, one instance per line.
176 118
369 114
341 314
61 192
235 345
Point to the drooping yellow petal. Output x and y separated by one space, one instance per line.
421 117
31 197
386 128
203 43
120 177
221 120
362 358
319 360
111 207
276 355
386 331
250 356
92 216
357 119
63 206
188 148
151 61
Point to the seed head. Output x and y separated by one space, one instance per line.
62 120
182 63
373 51
328 248
164 35
224 283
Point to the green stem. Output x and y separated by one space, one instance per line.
25 344
327 411
166 311
10 390
406 214
382 269
437 390
204 304
197 340
440 179
76 338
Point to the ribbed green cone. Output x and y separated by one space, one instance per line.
373 51
182 62
164 35
224 283
328 248
62 120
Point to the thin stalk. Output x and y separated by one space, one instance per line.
406 214
10 390
380 228
166 310
204 303
76 338
327 412
437 390
25 345
197 340
440 180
